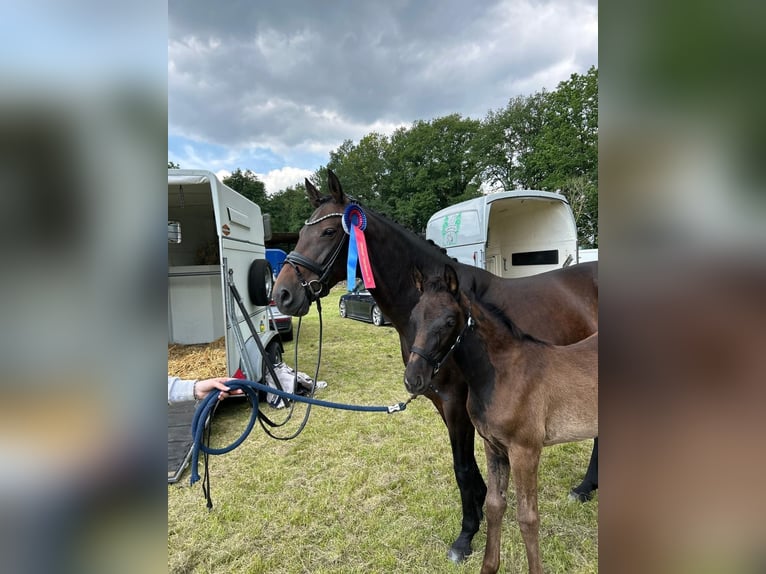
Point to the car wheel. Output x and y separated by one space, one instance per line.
342 309
377 316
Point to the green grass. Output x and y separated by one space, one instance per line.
358 492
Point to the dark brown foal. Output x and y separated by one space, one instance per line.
523 394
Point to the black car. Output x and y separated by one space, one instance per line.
360 305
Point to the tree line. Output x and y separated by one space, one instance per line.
546 141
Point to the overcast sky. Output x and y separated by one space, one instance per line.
275 86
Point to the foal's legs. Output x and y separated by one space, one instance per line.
497 487
524 464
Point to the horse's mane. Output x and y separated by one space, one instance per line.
501 316
437 284
440 248
414 237
409 234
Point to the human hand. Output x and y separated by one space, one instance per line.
204 387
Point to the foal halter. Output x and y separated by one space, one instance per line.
437 363
318 287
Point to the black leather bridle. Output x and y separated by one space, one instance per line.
316 288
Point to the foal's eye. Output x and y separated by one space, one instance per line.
329 232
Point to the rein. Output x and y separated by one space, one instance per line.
207 407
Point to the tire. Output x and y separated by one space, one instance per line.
377 316
259 282
274 352
342 309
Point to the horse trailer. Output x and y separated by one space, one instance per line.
216 240
508 233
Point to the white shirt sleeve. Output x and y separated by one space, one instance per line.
180 390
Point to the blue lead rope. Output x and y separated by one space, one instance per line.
250 389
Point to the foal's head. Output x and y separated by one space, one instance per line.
439 321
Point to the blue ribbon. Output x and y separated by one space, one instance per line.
353 257
353 216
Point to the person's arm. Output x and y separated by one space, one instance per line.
180 390
189 390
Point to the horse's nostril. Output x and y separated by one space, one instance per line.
415 384
284 297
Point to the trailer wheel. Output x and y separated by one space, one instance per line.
259 282
274 356
274 353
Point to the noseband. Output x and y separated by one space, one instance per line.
437 363
318 287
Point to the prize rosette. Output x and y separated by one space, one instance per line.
354 223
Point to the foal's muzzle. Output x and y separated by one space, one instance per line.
417 375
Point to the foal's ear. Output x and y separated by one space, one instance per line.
335 187
313 193
450 277
417 277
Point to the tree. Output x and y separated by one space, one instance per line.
289 208
543 140
549 141
567 144
173 165
582 196
506 145
417 171
430 166
247 184
361 168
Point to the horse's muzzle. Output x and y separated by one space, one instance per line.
292 302
415 383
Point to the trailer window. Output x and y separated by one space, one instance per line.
548 257
457 228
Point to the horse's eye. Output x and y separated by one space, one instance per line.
451 322
329 232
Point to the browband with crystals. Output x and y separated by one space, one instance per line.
328 216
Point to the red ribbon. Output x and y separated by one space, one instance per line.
364 258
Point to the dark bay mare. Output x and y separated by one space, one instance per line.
559 306
523 394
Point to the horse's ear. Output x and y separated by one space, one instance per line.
450 277
336 190
417 277
313 193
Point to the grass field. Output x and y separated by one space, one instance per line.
356 492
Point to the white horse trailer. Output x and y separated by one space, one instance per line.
215 238
508 233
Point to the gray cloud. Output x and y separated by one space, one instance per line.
310 74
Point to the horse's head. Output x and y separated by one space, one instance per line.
439 322
319 259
